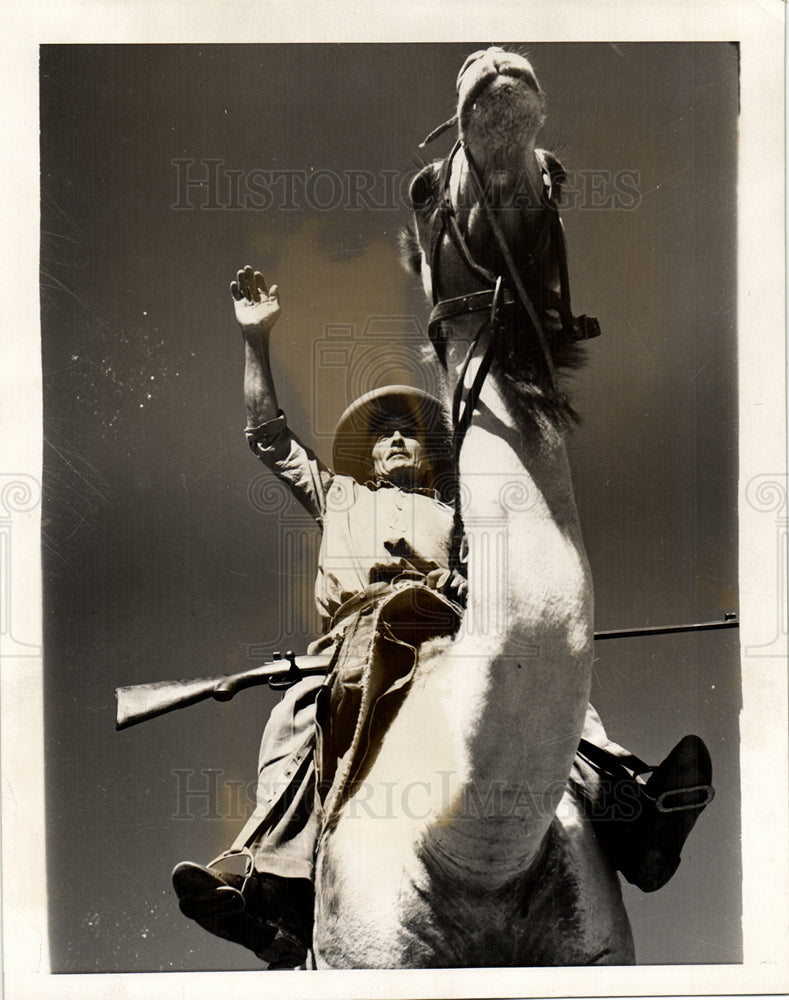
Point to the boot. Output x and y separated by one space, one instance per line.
647 849
268 914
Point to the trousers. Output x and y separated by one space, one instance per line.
314 745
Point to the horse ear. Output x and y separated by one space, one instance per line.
556 172
423 188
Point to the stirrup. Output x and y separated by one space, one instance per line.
204 893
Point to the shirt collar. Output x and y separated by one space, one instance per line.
381 484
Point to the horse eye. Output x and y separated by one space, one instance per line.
421 192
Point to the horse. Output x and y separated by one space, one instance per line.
475 849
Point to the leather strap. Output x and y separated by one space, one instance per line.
465 304
514 276
498 296
608 763
467 394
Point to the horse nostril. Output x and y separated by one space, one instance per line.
495 55
471 59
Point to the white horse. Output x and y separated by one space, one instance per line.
474 850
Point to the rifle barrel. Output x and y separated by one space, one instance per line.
667 629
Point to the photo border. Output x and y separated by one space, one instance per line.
759 28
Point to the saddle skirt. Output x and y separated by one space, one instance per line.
374 664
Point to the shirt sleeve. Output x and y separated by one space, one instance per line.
278 448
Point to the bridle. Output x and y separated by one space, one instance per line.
504 293
497 299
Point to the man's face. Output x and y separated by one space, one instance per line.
398 457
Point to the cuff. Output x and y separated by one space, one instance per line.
266 433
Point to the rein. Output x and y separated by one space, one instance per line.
504 291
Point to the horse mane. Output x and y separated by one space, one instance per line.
410 250
533 404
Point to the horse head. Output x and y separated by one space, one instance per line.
487 240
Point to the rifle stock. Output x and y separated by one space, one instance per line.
140 702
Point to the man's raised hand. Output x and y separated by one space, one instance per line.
257 308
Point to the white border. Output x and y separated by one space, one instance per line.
759 27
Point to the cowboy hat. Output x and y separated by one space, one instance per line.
403 406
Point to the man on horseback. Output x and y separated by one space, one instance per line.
385 529
389 580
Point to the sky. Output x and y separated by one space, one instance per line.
166 551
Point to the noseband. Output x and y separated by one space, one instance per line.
504 290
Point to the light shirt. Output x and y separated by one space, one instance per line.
369 531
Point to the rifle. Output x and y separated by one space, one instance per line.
140 702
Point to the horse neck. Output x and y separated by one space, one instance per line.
512 185
496 713
524 447
492 722
525 645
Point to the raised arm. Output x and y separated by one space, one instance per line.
270 438
257 310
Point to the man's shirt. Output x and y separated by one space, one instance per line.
366 527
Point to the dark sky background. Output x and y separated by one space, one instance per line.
167 553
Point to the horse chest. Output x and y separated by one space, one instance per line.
566 911
575 900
